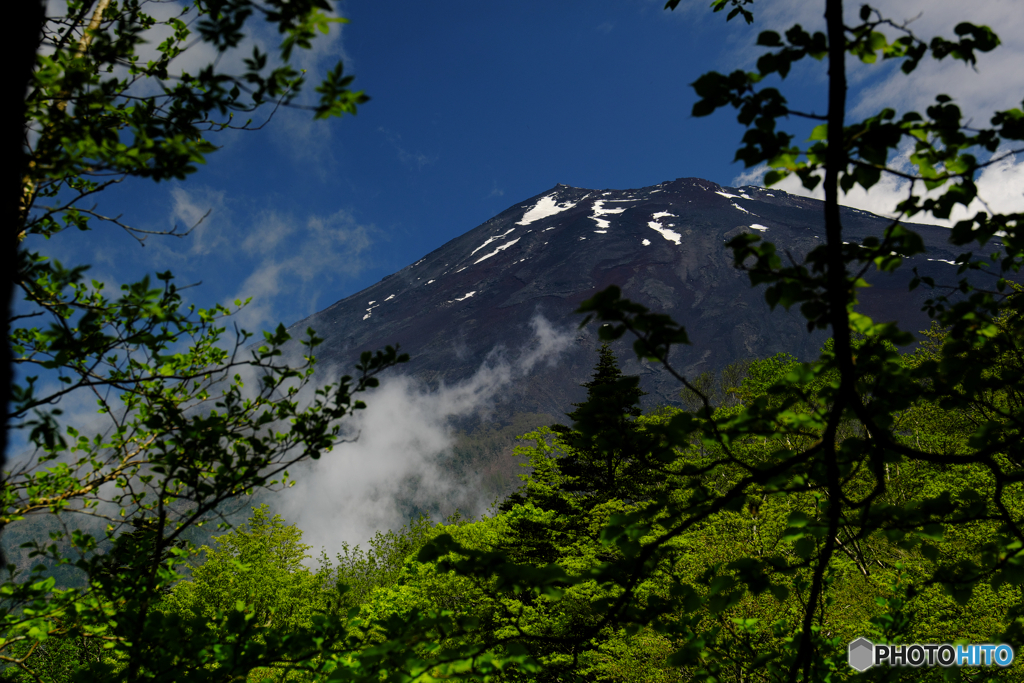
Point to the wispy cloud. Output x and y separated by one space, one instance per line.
292 258
751 176
1000 189
400 440
996 83
199 209
411 160
287 263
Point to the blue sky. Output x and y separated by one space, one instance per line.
476 106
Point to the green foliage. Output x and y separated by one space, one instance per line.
58 658
259 564
190 417
639 590
723 390
903 469
604 458
258 570
868 493
362 572
601 457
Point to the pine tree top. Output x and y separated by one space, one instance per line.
619 393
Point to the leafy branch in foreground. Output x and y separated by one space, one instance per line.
188 416
844 447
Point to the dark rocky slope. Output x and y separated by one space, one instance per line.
662 245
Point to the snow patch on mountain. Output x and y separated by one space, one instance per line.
501 248
670 235
756 226
370 309
547 206
463 297
741 195
599 211
491 239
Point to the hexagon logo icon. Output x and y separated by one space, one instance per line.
861 653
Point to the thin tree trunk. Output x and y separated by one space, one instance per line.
88 33
837 296
24 42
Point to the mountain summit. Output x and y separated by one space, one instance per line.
663 245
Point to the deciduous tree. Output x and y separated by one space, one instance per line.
832 427
193 417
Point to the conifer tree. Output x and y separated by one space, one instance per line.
600 460
605 454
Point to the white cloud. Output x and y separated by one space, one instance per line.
751 176
997 83
285 262
292 273
353 491
550 343
199 209
1000 189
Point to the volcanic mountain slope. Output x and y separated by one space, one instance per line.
663 245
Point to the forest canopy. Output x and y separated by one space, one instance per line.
696 609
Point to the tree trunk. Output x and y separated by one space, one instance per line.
24 42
